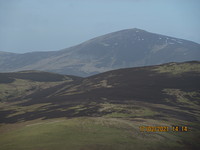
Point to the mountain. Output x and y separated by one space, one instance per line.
121 49
119 109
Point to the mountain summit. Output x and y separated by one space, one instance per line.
121 49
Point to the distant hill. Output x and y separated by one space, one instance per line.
121 49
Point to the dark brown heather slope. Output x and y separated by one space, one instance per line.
172 85
121 100
142 84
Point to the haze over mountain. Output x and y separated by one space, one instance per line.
121 49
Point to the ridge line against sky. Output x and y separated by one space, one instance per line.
46 25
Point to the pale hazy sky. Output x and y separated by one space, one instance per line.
45 25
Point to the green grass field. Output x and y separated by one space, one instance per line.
89 134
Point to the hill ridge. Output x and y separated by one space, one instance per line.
120 49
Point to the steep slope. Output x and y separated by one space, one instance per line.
122 49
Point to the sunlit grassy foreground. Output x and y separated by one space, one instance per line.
88 134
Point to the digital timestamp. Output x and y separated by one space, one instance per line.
163 128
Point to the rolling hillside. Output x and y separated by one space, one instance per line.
20 84
110 111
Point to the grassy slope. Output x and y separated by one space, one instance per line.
104 123
93 134
20 84
21 88
117 128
